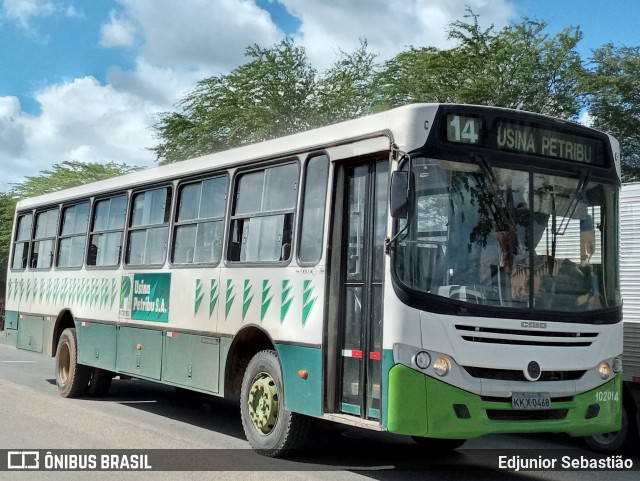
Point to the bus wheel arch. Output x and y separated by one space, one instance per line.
64 321
246 344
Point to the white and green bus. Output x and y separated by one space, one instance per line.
439 271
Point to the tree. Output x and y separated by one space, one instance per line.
518 67
276 93
270 96
613 86
346 90
61 176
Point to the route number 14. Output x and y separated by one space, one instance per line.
463 129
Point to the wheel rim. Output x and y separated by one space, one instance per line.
64 363
605 438
263 403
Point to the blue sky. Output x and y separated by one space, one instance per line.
85 80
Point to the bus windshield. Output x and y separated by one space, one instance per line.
509 238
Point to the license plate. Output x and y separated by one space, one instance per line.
530 400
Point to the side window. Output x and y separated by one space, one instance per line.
199 224
107 224
262 220
44 239
313 202
149 227
21 242
73 236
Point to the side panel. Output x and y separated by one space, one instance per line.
631 351
303 395
11 320
630 276
191 361
31 333
139 352
97 345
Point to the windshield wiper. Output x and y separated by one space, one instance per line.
502 217
566 218
573 205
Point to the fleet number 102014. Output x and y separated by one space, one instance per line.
607 396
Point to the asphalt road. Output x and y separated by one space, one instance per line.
138 415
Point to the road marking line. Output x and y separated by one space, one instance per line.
30 362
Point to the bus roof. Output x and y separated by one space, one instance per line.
405 124
280 147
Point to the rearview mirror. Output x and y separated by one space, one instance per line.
400 194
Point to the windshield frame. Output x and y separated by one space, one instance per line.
436 303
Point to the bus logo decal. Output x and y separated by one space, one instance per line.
230 298
214 296
307 301
151 297
287 298
247 297
199 297
266 299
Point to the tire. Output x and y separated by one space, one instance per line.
623 441
270 429
99 383
437 444
72 378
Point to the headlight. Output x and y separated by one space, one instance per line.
604 369
422 360
442 366
617 365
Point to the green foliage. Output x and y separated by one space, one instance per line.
60 176
270 96
276 93
613 86
346 90
518 67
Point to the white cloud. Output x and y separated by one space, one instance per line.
117 33
389 26
82 120
199 33
23 11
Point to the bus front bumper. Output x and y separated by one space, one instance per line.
420 405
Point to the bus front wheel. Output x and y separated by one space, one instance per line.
270 429
623 441
72 378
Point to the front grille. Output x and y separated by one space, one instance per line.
537 415
525 337
517 375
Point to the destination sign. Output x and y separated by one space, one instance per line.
523 138
549 143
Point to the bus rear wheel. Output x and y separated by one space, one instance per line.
99 383
72 378
270 429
